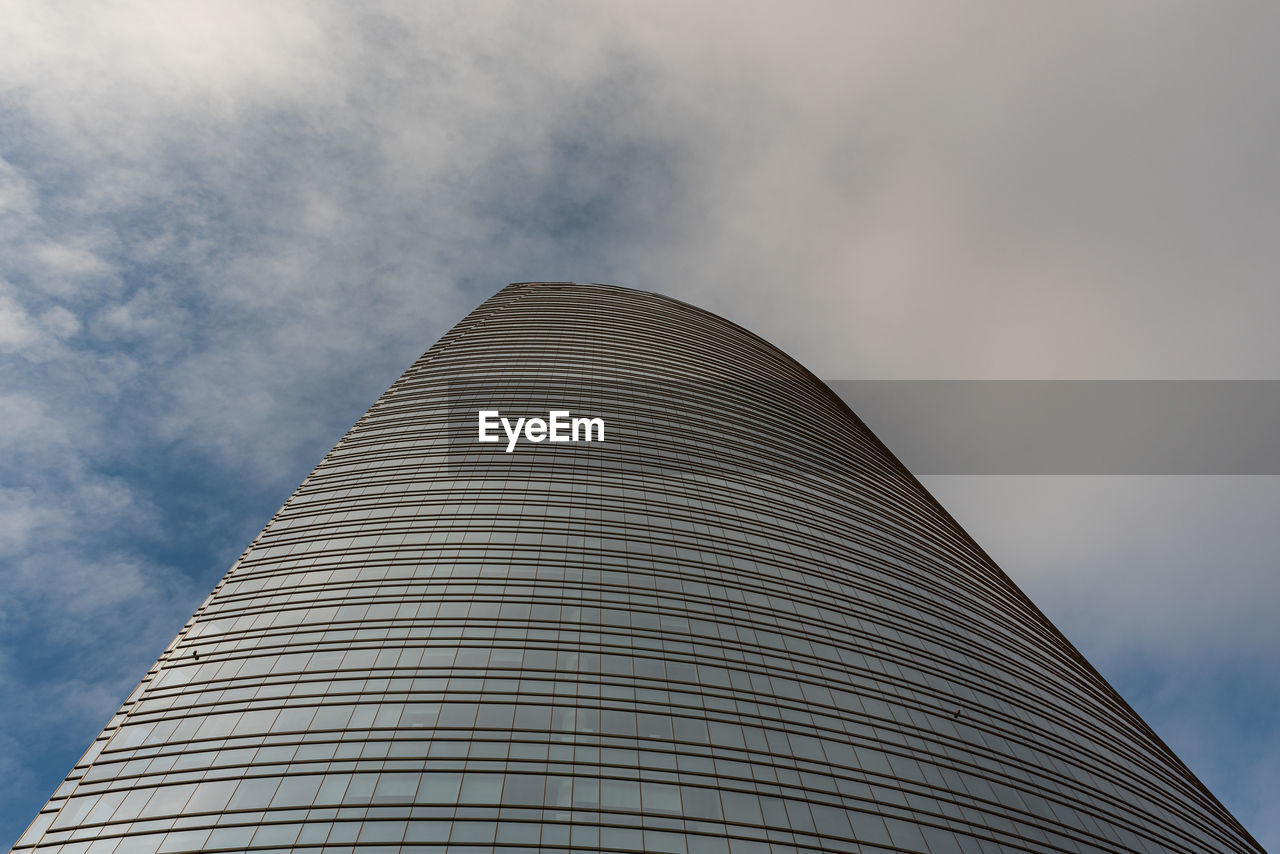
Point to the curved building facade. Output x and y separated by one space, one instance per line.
736 625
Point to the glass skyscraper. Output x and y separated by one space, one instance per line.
735 625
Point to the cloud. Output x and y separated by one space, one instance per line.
225 228
1166 585
17 331
1143 567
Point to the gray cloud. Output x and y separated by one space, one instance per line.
225 228
1168 586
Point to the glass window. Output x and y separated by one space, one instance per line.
480 788
661 797
698 802
396 788
620 794
297 791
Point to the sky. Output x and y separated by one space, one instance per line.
226 228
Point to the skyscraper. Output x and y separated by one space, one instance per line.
731 622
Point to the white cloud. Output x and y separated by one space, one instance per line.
225 227
59 260
28 426
59 322
17 330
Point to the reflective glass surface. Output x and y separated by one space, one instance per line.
735 625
